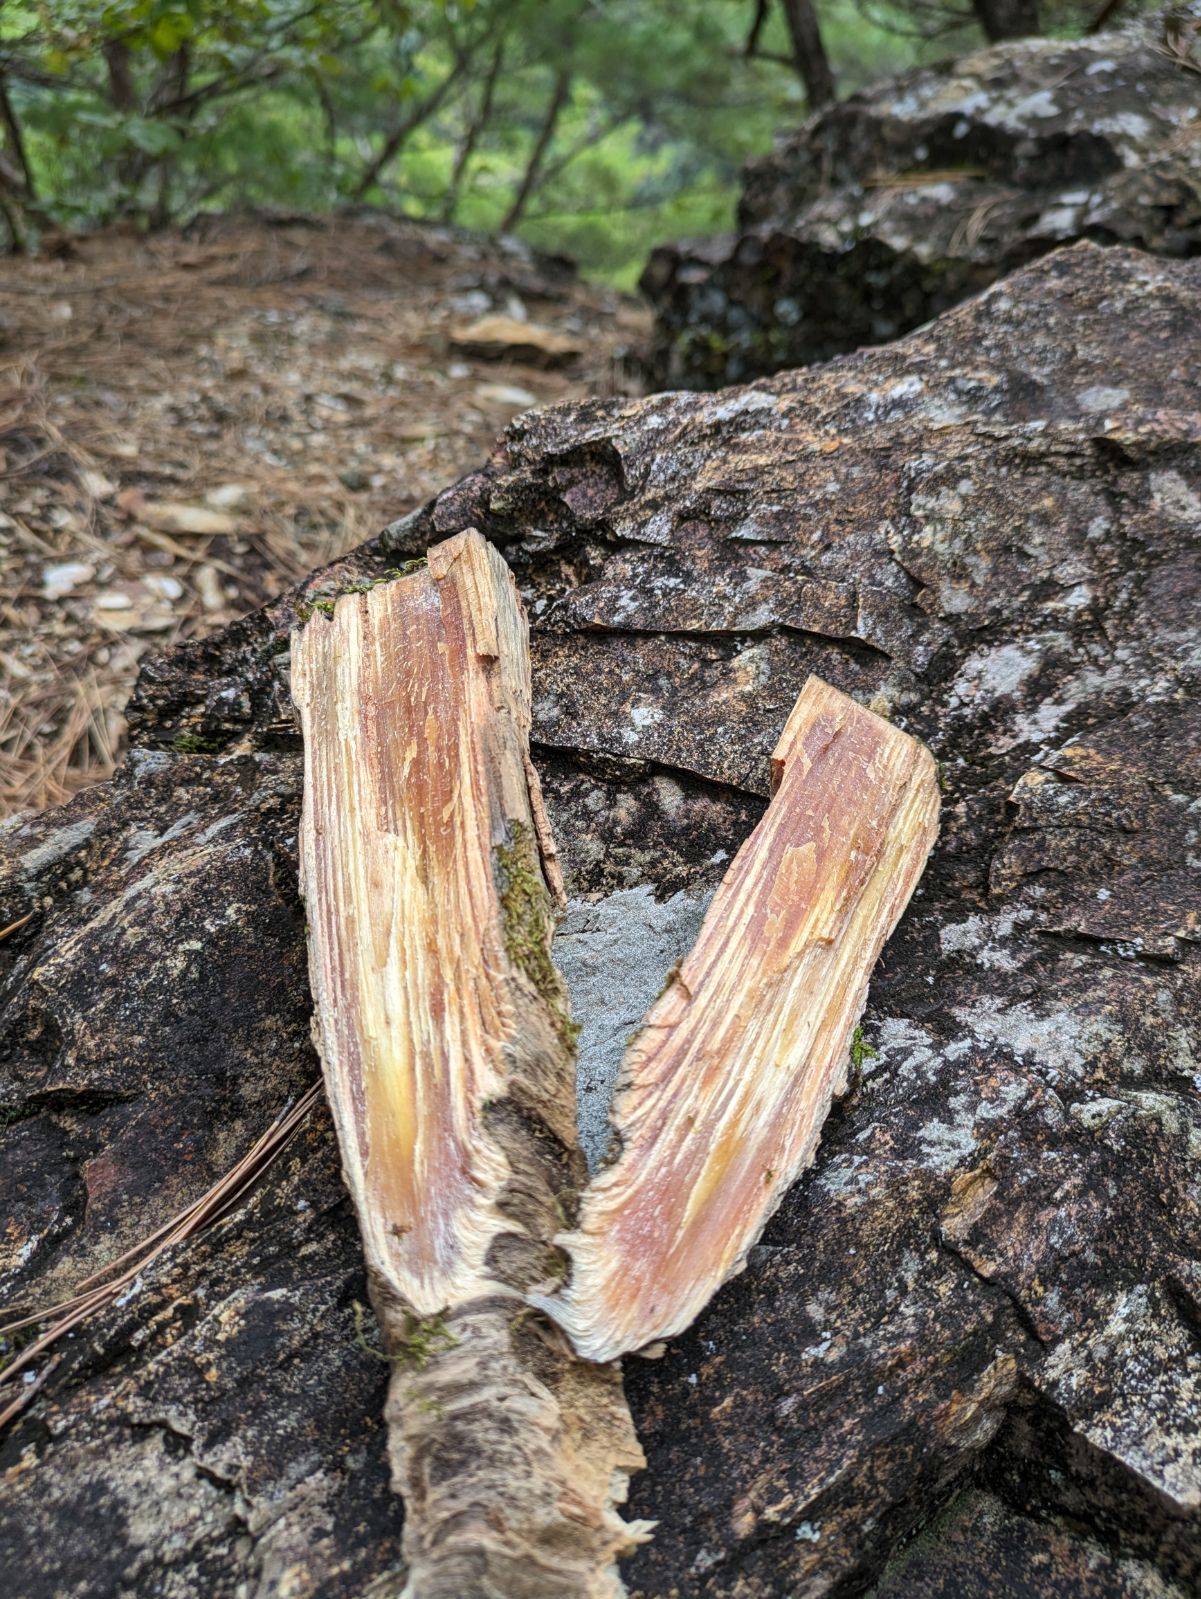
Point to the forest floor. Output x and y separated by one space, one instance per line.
191 422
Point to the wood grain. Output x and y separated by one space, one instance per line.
725 1088
429 882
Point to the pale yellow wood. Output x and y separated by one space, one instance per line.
725 1088
428 874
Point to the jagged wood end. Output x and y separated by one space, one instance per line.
429 879
724 1090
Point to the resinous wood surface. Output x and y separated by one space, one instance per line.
725 1088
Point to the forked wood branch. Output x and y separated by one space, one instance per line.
449 1062
429 878
725 1088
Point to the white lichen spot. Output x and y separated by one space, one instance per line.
1058 222
751 668
1096 1114
1099 398
843 1176
1032 107
946 1145
1130 123
996 672
904 388
644 716
1007 1099
744 404
985 938
906 1050
1058 1041
1172 496
63 841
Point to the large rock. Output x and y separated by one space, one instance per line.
978 1317
898 203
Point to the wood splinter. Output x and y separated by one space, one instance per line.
429 878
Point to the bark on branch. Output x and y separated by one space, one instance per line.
532 175
809 53
408 126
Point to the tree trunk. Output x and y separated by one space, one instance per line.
17 193
121 90
171 89
1007 19
475 127
533 169
975 1317
809 53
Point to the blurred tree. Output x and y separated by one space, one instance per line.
601 126
808 51
1007 19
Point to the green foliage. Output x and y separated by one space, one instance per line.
597 126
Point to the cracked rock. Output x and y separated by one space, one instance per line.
900 201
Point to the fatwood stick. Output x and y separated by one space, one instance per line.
448 1054
724 1089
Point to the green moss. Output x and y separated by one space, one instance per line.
195 744
526 918
370 583
423 1338
325 605
861 1050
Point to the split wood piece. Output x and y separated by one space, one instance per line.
427 870
724 1090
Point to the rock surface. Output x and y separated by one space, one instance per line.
978 1317
898 203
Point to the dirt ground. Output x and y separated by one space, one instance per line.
190 422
